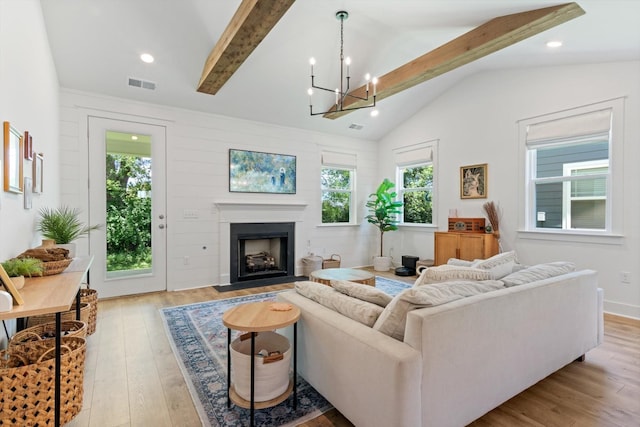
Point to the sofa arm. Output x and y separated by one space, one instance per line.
372 379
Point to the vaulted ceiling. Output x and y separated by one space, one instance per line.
96 47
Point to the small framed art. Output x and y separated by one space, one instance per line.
38 169
13 153
28 146
473 182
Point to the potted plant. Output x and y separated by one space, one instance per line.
63 226
383 210
18 268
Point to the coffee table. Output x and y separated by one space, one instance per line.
253 318
351 274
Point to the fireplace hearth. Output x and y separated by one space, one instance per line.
261 253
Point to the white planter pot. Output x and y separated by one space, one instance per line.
381 263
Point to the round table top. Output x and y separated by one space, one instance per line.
350 274
259 317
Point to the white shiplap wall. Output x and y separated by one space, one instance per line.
197 178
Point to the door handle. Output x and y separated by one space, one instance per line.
161 216
161 226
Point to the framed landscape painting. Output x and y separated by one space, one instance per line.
473 182
258 172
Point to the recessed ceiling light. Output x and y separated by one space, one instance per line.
374 113
146 57
134 137
554 43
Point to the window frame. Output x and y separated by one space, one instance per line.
351 191
423 153
401 190
612 234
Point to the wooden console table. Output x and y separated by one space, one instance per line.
53 294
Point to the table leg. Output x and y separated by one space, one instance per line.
78 306
58 370
295 366
253 377
228 368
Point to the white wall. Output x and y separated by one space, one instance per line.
29 101
197 178
476 122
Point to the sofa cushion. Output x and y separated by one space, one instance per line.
446 272
498 265
459 262
358 310
538 272
393 319
362 292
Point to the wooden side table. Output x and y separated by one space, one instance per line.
253 318
351 274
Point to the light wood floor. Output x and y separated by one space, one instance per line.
132 378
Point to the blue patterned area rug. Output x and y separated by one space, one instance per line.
199 341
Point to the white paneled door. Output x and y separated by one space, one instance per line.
127 197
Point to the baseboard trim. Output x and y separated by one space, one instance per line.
621 319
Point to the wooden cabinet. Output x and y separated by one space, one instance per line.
467 246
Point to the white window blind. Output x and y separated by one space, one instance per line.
413 155
592 123
345 160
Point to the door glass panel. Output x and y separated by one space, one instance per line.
128 210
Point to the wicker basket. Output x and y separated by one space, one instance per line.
70 328
27 382
332 262
50 268
85 309
90 296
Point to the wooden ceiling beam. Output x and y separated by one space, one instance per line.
489 37
249 26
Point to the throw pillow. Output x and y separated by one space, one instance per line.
362 292
445 272
499 265
459 262
358 310
394 317
538 272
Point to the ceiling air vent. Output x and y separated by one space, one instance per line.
355 126
144 84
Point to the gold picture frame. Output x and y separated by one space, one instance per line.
473 181
8 284
13 154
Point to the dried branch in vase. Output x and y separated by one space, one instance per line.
494 213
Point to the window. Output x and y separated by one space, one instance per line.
337 184
570 185
415 182
337 197
415 188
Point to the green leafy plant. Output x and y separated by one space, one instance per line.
23 267
62 224
384 209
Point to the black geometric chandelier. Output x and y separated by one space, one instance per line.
342 92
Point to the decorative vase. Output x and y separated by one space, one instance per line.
381 263
48 243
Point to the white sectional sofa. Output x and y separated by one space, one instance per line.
457 360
